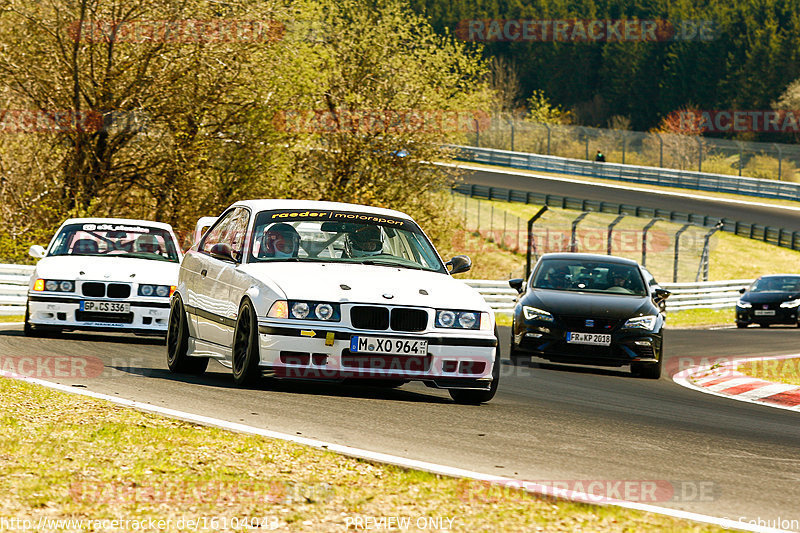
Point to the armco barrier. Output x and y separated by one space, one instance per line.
777 236
498 294
702 295
13 288
665 177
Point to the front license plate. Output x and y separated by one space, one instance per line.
764 312
105 307
387 346
600 339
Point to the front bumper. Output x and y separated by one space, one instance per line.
63 312
758 315
627 346
463 362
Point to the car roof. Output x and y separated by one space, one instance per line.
766 276
124 221
281 203
590 257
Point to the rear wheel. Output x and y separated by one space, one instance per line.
178 359
475 397
245 346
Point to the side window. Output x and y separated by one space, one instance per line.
237 232
218 233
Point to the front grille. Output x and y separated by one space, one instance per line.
409 319
367 317
94 289
598 325
118 290
644 352
399 363
113 318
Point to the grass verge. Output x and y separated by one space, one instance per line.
69 457
780 370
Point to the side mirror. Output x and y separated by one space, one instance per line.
516 284
459 264
742 290
661 294
221 251
36 251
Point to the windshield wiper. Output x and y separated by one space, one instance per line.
378 262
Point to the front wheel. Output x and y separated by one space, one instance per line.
178 359
741 325
245 346
476 397
647 370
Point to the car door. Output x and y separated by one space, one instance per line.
211 307
225 288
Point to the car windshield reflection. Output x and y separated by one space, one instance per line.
589 276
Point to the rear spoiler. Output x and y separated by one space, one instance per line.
201 227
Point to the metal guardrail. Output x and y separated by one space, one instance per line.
14 288
498 294
778 236
665 177
702 295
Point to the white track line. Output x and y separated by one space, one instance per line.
624 187
399 461
682 379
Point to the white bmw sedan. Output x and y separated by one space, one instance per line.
323 290
104 274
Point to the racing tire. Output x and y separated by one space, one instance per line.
741 325
477 397
177 342
763 325
646 370
245 352
29 330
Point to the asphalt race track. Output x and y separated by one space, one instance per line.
546 423
767 215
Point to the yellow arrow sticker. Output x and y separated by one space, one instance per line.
307 333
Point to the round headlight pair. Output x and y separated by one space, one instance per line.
464 319
303 310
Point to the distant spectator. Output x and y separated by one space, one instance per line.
600 157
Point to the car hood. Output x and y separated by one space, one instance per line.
768 297
590 304
367 283
108 268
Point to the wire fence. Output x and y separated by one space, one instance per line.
773 161
671 251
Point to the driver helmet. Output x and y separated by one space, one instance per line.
364 241
280 240
146 244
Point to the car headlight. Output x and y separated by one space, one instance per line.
314 311
791 303
534 313
157 290
743 304
447 318
643 322
54 285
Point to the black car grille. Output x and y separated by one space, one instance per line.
364 317
118 290
409 319
93 289
589 324
113 318
644 352
96 289
380 318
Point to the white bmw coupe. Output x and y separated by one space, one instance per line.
323 290
104 274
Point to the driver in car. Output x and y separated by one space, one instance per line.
619 278
558 278
280 241
364 241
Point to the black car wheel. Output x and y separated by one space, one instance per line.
517 358
29 330
744 325
647 370
245 346
763 325
476 397
178 359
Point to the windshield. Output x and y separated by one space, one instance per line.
589 276
341 237
115 240
777 284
